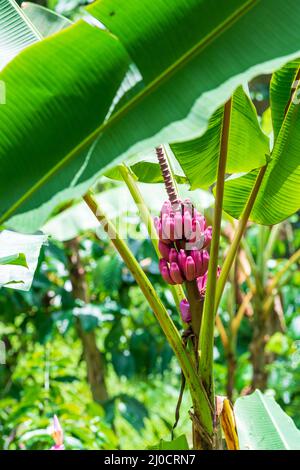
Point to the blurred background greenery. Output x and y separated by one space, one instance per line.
83 344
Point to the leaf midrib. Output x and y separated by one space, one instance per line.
156 83
16 7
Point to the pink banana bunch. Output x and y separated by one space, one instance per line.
182 225
181 266
183 236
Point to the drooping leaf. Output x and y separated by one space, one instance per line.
247 145
185 78
263 425
266 124
46 21
237 192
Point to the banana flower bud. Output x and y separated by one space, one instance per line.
58 435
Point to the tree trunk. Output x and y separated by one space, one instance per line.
258 355
265 325
95 364
92 355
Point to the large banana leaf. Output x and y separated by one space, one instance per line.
247 145
16 31
263 425
55 83
279 196
191 58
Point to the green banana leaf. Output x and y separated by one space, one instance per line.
279 195
63 91
280 92
247 144
263 425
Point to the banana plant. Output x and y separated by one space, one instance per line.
112 87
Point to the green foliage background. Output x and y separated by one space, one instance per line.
46 374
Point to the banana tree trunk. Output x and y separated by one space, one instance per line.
93 357
258 356
95 364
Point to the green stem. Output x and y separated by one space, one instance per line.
238 236
200 401
206 342
128 177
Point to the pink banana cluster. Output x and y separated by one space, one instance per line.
183 237
183 266
182 224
